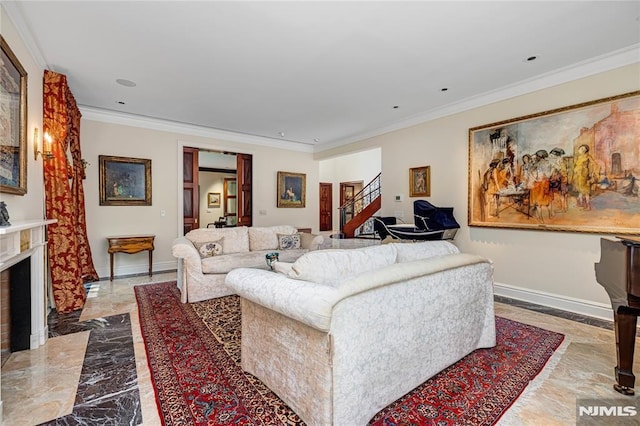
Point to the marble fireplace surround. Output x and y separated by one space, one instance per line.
19 241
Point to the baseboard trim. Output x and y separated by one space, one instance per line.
578 306
141 269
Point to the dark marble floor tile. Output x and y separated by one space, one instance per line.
596 322
107 391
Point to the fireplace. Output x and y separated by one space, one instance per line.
22 253
16 308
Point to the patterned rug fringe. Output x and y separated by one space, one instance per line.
512 415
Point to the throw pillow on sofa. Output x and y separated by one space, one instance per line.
209 248
266 238
288 242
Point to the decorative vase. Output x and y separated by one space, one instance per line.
271 258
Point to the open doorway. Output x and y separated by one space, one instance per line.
347 191
217 175
207 198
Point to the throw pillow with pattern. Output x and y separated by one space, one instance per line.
209 248
288 241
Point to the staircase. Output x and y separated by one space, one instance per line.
364 204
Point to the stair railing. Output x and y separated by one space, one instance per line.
360 200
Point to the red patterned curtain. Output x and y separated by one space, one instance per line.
68 246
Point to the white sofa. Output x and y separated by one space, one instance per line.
202 278
340 334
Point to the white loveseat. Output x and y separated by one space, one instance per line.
340 334
202 278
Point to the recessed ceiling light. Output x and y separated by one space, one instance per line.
396 107
444 89
316 140
532 58
126 83
120 102
281 134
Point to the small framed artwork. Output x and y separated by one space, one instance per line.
213 199
125 181
13 125
420 181
291 189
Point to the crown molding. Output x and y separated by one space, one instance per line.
116 117
603 63
15 15
616 59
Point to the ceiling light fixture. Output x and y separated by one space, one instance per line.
316 140
125 83
396 107
281 134
444 89
532 58
120 102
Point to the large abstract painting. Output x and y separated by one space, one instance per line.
570 169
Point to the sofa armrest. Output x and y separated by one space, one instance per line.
184 249
304 301
310 241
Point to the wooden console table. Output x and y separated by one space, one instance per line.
130 244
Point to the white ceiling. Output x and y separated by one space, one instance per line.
331 71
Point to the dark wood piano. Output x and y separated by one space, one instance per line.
619 273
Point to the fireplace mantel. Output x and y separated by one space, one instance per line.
19 241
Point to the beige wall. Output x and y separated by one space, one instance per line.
30 205
536 264
162 218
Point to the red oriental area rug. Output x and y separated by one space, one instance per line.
194 358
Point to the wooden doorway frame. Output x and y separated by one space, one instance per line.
245 196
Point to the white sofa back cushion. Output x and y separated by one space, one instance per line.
424 250
331 267
266 238
236 239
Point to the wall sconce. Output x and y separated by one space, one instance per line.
46 149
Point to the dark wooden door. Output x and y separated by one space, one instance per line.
326 215
190 192
245 176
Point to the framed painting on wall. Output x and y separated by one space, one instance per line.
13 122
291 189
125 181
420 181
213 199
569 169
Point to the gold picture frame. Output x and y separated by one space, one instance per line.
124 181
13 132
574 169
213 199
291 189
420 181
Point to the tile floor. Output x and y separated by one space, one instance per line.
102 345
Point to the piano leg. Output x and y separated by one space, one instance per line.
625 324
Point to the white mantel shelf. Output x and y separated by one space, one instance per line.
19 241
14 247
25 224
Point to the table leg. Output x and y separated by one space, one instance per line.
150 263
111 266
